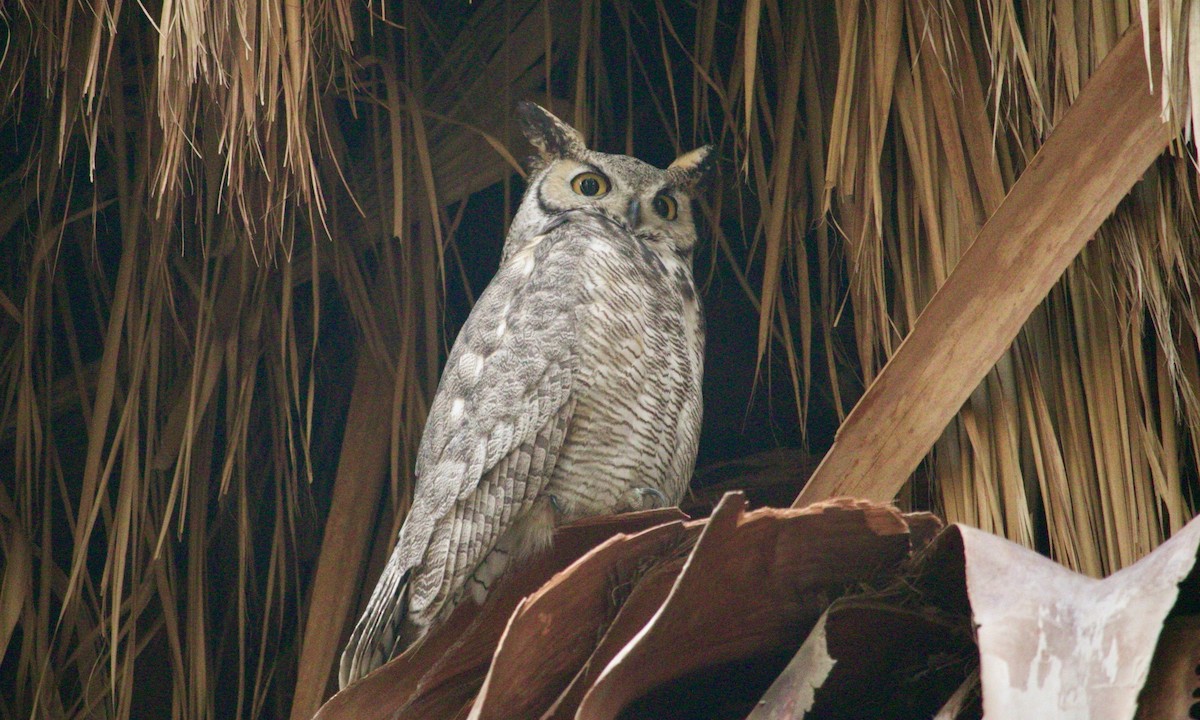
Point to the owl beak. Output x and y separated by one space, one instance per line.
633 213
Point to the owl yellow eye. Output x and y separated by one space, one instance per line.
666 207
590 184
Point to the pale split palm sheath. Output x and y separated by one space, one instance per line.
572 390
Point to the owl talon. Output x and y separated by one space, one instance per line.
654 492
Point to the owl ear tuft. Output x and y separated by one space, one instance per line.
690 170
552 137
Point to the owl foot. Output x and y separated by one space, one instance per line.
655 493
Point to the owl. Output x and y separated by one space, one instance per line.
572 390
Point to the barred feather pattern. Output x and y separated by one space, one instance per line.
572 390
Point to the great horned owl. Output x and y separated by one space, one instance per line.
572 390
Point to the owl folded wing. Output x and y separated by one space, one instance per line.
491 439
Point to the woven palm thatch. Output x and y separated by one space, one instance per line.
235 250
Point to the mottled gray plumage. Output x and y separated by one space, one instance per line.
572 390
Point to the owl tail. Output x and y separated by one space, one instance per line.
377 636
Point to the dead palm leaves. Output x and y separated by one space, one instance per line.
204 196
843 609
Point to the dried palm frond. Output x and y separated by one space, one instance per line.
239 236
1065 446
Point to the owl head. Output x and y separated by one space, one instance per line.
653 204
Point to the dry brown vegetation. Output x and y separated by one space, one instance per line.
234 242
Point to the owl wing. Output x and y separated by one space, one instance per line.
490 442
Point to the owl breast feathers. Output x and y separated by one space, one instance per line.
572 390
